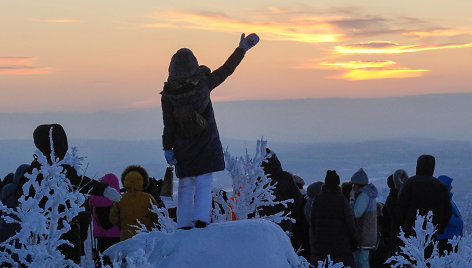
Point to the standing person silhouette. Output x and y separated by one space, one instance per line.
190 138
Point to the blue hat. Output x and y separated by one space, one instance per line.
360 177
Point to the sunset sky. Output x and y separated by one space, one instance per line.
85 55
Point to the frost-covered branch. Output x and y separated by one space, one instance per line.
252 189
43 215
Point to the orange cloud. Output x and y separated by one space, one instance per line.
300 29
16 60
371 70
439 32
21 66
388 47
24 70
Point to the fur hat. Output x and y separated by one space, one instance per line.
399 178
138 169
425 165
332 178
298 181
183 64
360 177
59 139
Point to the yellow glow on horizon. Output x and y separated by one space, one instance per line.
387 47
57 20
357 64
314 30
374 74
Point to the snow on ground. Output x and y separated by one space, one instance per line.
245 243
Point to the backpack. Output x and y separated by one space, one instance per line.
190 121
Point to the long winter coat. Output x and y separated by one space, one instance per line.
134 205
423 193
102 205
365 212
204 153
333 227
389 212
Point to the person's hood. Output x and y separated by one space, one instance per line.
41 137
271 165
390 182
446 180
183 64
370 190
19 173
425 165
111 180
134 182
314 189
140 170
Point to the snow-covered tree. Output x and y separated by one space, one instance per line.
252 190
412 253
36 244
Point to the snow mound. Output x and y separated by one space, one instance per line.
244 243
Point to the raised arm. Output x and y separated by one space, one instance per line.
219 75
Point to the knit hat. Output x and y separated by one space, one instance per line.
332 178
183 64
59 139
360 177
425 165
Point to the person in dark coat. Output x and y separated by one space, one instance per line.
190 137
423 193
332 224
83 184
346 188
286 188
8 179
9 199
312 192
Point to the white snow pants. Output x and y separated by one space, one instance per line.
194 200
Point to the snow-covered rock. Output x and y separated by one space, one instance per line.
244 243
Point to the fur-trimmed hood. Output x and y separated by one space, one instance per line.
140 170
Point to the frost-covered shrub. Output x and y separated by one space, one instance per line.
252 190
412 253
36 244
